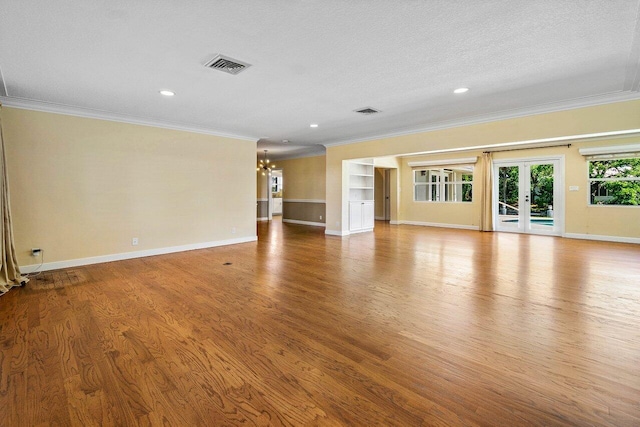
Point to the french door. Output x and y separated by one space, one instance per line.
528 196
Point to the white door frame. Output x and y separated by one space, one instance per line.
558 192
269 198
386 202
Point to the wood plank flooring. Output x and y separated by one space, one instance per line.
406 326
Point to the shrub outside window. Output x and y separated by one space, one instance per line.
615 181
448 184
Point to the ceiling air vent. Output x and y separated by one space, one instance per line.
367 111
226 64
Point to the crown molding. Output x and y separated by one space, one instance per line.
591 101
49 107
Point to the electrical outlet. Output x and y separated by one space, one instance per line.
134 241
320 216
233 230
36 251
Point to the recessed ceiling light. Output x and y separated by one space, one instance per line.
313 125
167 93
461 90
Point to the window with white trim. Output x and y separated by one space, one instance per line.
614 181
446 184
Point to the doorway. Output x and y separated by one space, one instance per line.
382 194
275 191
528 196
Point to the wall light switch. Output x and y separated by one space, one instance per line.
573 188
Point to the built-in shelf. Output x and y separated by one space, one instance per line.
361 205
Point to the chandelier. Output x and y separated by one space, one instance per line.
264 166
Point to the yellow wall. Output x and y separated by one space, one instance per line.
582 219
458 214
84 187
304 190
262 187
303 178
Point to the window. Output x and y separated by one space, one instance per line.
276 184
615 181
443 184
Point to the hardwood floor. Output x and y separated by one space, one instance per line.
408 326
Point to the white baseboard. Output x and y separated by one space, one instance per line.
379 218
264 218
394 222
364 230
295 221
304 201
617 239
26 269
439 224
336 233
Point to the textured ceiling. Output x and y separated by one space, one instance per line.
315 61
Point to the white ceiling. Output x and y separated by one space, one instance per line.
315 61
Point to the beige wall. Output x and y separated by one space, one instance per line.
580 217
262 210
598 220
304 211
262 195
304 178
304 189
458 214
262 186
84 187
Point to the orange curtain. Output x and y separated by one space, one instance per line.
486 213
9 270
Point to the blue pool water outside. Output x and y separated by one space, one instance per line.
539 221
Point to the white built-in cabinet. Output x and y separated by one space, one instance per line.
277 206
361 204
361 216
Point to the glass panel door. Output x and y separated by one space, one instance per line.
541 180
525 195
508 197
